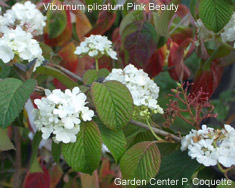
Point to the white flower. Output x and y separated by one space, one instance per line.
209 146
144 91
60 114
16 42
96 46
105 149
203 32
6 54
228 34
27 16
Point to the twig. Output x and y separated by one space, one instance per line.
66 71
17 176
40 90
156 130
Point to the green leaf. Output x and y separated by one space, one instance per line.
4 70
161 22
13 96
35 144
215 14
35 167
113 103
114 140
5 142
56 21
142 161
84 155
92 75
47 51
56 151
63 78
177 165
140 137
193 8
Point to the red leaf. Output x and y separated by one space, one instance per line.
103 24
176 58
182 11
156 62
208 81
70 60
116 38
38 180
181 34
64 37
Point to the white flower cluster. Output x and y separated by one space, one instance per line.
228 35
210 146
144 91
96 46
203 32
60 113
17 43
27 16
17 28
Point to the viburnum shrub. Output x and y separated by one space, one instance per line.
120 94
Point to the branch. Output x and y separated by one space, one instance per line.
139 124
156 130
66 71
17 181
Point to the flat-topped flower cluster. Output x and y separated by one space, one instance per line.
17 28
61 113
209 146
96 46
144 91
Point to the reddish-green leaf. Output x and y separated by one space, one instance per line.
38 180
83 25
64 37
70 60
56 21
139 42
104 23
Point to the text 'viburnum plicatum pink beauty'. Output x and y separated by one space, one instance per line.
144 91
209 146
96 46
61 113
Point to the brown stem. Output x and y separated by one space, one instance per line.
66 71
156 130
17 180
